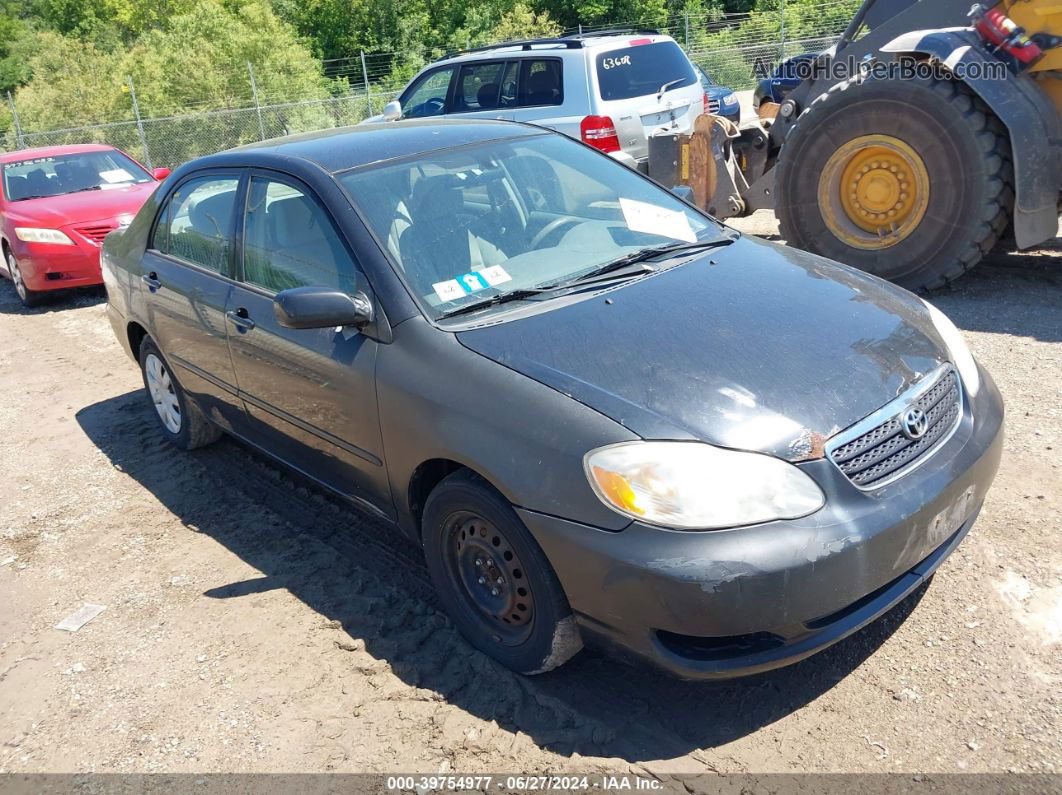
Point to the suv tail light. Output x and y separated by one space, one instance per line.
707 104
600 133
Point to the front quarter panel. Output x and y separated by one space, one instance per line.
440 400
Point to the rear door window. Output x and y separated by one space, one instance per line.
643 70
199 223
541 82
479 86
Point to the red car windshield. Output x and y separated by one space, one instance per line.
55 175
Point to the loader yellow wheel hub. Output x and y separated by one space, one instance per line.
874 191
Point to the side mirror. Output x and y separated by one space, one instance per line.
684 192
321 307
160 173
392 111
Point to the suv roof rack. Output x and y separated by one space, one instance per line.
591 34
572 42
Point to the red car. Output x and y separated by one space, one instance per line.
56 206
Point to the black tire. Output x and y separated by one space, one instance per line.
964 147
193 429
528 625
29 298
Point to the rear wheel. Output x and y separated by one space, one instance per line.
910 180
28 297
493 579
180 418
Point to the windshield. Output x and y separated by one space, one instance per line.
643 70
58 174
481 221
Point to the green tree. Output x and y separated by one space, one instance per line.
199 60
521 22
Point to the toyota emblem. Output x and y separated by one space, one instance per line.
914 423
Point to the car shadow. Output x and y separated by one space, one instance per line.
371 583
59 301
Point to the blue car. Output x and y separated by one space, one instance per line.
719 100
786 76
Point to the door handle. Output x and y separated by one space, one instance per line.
240 319
152 280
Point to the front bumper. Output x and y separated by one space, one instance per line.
730 112
49 267
726 603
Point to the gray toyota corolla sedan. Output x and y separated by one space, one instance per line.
606 417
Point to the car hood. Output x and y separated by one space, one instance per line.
54 212
718 92
755 346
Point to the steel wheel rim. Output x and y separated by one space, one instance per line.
163 396
489 577
874 192
16 276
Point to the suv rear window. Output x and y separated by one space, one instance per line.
641 70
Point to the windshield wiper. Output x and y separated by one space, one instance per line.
82 190
666 86
494 300
27 198
609 268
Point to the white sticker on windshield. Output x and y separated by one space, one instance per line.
116 175
643 217
495 275
449 290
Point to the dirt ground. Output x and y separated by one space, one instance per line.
253 623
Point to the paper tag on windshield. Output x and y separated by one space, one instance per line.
653 220
495 275
468 283
116 175
449 290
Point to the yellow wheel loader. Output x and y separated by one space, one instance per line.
929 134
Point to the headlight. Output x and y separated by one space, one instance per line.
30 234
960 352
730 99
695 486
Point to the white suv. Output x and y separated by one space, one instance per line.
611 90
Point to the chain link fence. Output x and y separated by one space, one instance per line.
734 51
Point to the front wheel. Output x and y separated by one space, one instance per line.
28 297
493 578
910 180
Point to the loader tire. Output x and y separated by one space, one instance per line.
910 180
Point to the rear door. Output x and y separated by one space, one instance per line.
310 393
646 85
552 95
187 282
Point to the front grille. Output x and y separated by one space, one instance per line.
883 453
95 232
713 106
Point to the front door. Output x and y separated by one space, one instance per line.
310 393
187 282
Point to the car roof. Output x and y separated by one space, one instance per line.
51 151
343 148
562 46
